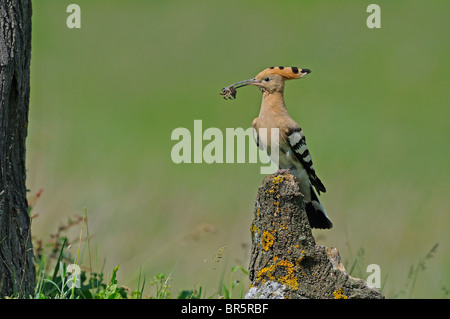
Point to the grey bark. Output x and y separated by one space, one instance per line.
285 260
16 255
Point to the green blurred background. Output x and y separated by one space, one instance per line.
375 109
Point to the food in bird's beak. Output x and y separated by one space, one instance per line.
229 92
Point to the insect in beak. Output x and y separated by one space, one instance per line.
230 92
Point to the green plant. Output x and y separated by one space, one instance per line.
59 275
413 274
162 286
228 291
64 278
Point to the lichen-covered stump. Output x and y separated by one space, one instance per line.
285 260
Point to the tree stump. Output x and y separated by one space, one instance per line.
285 260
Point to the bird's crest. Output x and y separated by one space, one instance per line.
290 72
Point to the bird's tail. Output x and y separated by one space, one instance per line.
316 213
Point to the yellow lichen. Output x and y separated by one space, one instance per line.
299 260
339 295
277 179
290 280
274 191
267 240
253 229
264 270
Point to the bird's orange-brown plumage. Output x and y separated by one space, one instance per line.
293 153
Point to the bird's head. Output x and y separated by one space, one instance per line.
270 80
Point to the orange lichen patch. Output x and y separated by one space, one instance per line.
289 279
277 180
274 191
339 295
276 204
267 240
299 260
266 272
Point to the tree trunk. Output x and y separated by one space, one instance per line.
16 255
285 260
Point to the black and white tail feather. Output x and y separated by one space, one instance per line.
316 213
295 157
307 182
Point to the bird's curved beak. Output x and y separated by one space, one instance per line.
245 83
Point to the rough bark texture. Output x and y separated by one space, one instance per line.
16 255
285 260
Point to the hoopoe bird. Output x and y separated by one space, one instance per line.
293 154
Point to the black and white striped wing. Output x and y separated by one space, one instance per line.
297 142
256 137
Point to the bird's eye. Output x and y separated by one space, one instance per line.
267 79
